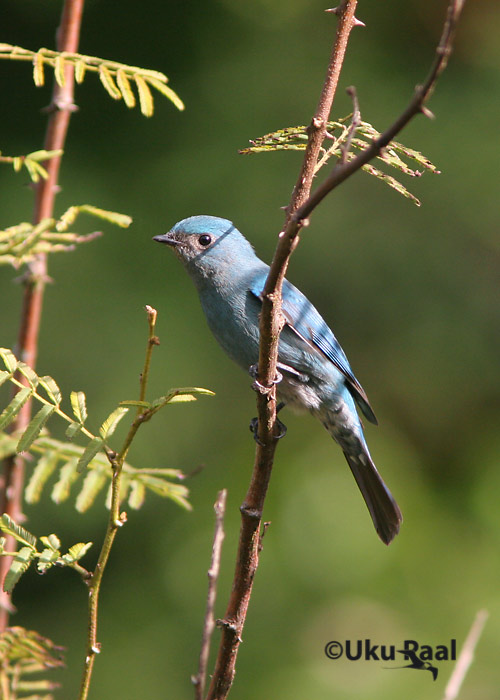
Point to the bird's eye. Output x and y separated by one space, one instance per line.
205 240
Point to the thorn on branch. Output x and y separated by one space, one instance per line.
338 12
264 530
229 626
427 112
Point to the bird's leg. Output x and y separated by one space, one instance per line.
254 423
253 371
254 427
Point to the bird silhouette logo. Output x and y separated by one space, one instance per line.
416 663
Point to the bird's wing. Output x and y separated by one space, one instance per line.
305 321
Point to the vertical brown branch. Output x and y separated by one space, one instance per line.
60 108
317 127
270 326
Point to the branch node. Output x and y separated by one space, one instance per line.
226 624
253 513
60 105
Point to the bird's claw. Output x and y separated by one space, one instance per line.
257 386
254 428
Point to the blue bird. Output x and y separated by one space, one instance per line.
316 375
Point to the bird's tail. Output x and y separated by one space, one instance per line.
384 510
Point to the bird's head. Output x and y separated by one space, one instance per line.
208 245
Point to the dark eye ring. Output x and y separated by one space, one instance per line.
205 240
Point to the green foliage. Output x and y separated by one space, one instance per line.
56 456
21 243
47 557
31 161
116 78
70 459
25 653
337 136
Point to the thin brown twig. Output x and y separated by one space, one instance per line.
116 519
466 656
301 206
213 575
355 122
60 109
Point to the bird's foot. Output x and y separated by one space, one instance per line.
253 370
254 427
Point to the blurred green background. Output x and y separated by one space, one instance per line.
412 294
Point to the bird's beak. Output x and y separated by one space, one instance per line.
166 238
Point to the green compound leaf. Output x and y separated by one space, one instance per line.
4 376
70 215
176 492
137 494
21 535
19 566
180 395
110 424
59 69
338 132
125 88
44 469
145 96
93 484
25 652
29 374
47 559
9 359
35 427
21 243
79 406
51 541
108 71
90 452
109 84
67 476
53 391
135 404
76 552
73 429
8 445
11 411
